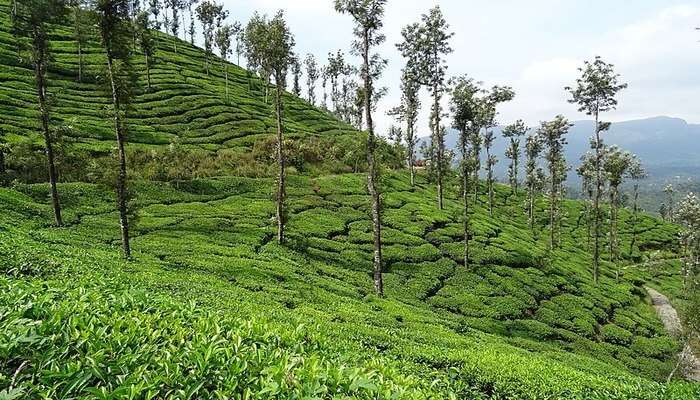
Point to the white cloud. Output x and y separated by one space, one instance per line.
536 47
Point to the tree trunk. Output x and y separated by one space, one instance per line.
552 211
148 71
3 169
121 178
411 154
372 175
489 179
440 144
531 206
226 78
465 198
281 185
515 174
80 61
635 210
40 77
596 202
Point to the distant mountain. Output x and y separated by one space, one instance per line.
667 146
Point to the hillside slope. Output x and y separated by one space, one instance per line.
520 323
185 104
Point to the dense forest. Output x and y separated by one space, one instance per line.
175 224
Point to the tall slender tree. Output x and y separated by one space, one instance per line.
154 7
222 39
280 56
670 191
256 36
586 171
312 74
465 107
210 15
33 18
81 30
533 150
239 35
553 135
636 174
688 215
4 149
190 10
595 93
146 43
497 95
175 6
114 25
514 133
425 46
616 164
296 76
407 112
368 15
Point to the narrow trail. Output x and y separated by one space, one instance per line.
670 319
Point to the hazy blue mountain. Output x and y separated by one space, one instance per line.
667 146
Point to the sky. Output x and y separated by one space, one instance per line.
534 46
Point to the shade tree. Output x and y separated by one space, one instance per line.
636 173
33 19
425 46
552 135
595 92
368 18
146 43
210 15
465 106
407 112
312 75
514 133
222 39
115 34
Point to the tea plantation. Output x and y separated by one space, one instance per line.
185 104
212 307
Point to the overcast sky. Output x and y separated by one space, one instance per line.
534 46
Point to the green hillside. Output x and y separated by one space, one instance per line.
185 106
521 323
211 307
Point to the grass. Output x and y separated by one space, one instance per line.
207 280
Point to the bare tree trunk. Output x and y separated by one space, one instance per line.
372 175
515 174
80 61
440 145
612 225
225 66
3 169
596 202
489 179
465 198
411 154
40 76
552 211
531 206
281 185
148 71
635 211
121 178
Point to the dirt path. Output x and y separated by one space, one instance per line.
669 317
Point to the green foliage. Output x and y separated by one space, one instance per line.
519 323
